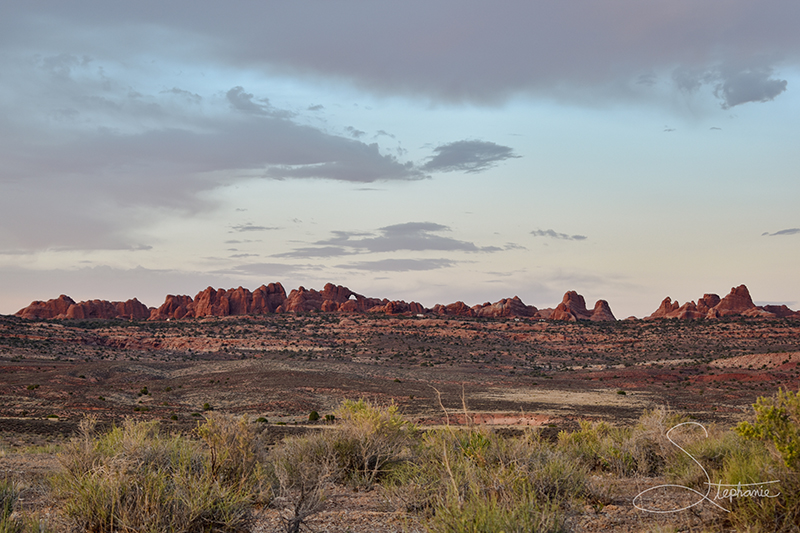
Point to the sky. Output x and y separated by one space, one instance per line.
426 151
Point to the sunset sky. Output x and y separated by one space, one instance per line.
428 151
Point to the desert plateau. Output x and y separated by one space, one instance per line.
507 369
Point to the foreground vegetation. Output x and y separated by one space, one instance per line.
136 478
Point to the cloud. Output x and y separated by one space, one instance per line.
790 231
554 235
321 251
399 265
244 102
751 85
467 156
409 236
273 271
251 227
354 133
193 97
732 85
484 54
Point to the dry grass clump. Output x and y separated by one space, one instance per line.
11 522
135 478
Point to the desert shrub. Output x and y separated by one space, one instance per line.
301 469
641 449
135 478
777 422
772 453
474 480
479 513
313 416
601 446
368 440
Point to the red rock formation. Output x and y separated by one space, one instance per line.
39 310
174 307
707 302
781 311
571 308
602 312
667 306
267 298
65 307
735 303
507 307
454 309
397 307
131 309
687 311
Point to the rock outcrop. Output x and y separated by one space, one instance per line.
332 298
507 307
602 312
737 303
454 309
39 310
573 308
65 307
178 307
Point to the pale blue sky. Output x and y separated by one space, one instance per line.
420 151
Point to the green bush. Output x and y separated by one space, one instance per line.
777 422
776 426
313 416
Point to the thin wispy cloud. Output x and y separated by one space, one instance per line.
790 231
555 235
398 265
242 228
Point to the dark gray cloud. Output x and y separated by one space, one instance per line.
399 265
409 236
555 235
790 231
732 85
467 156
752 85
482 53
